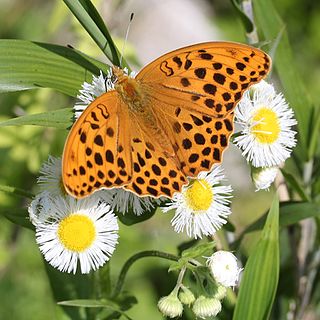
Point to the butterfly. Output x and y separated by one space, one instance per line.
170 122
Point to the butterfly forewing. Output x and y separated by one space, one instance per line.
96 154
209 78
199 140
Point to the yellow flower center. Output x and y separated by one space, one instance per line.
199 195
76 232
266 128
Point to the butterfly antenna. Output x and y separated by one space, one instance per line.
126 37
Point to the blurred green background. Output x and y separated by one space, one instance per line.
24 288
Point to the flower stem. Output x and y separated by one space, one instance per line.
132 259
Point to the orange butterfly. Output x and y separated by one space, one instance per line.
173 120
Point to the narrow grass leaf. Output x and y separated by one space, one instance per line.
16 191
295 185
260 278
91 20
290 213
61 119
18 216
30 65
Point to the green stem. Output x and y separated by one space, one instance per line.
132 259
180 278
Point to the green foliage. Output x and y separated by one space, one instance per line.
90 19
196 251
270 25
17 216
42 65
130 218
60 119
260 278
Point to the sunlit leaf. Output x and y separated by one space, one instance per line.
61 118
29 65
261 274
91 20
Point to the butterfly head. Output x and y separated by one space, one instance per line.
118 75
126 86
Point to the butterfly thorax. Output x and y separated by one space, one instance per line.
128 90
135 97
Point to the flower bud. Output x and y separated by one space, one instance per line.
263 177
170 306
224 268
205 307
220 293
186 296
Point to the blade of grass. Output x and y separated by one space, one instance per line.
290 213
61 119
18 216
29 65
90 19
260 278
16 191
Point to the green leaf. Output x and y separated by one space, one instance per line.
290 213
186 245
29 65
295 185
245 19
126 301
260 278
18 216
130 218
91 20
314 134
199 250
271 25
16 191
61 119
229 227
178 265
90 303
70 287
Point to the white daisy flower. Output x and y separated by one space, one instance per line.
123 201
202 207
90 91
50 178
266 138
263 177
75 231
224 268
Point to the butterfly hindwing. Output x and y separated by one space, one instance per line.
155 172
96 153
